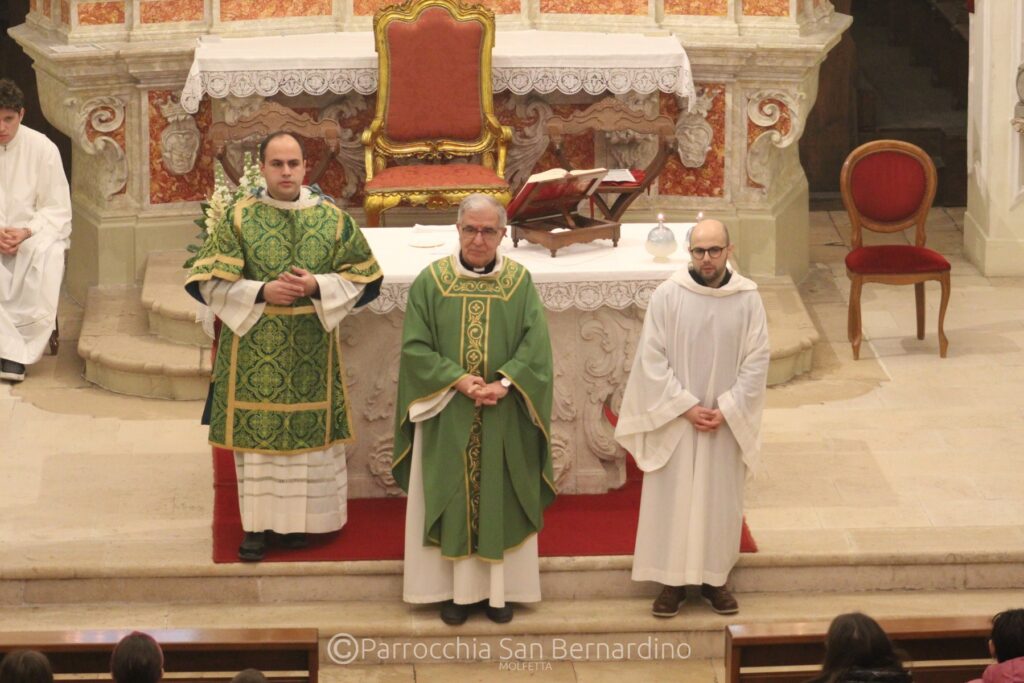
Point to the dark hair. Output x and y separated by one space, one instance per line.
11 96
25 666
856 641
137 659
278 134
1008 634
249 676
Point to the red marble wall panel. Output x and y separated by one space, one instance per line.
165 187
628 7
708 180
783 126
33 5
710 8
101 13
65 12
766 8
47 8
162 11
237 10
579 149
370 7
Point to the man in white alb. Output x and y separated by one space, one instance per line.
35 224
691 417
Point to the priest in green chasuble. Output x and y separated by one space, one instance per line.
473 425
281 271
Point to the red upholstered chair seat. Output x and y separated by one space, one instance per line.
893 259
426 177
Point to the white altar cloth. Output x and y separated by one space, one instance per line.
583 276
522 62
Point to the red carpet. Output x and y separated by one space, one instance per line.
376 526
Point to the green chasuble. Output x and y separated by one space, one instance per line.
279 388
486 471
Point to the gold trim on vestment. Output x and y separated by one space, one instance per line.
203 277
229 418
289 310
351 277
227 260
281 407
297 451
236 215
344 388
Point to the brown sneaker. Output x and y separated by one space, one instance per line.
720 599
668 601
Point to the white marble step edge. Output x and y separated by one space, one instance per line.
171 311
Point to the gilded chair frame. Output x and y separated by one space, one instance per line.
917 220
491 146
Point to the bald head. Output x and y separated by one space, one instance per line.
710 229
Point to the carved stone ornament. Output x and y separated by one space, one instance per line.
104 115
351 155
764 112
179 142
530 141
628 148
234 109
693 132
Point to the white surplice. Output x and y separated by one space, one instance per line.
304 492
428 576
704 346
33 194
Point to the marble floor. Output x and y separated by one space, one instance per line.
899 452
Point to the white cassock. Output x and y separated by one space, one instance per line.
431 577
305 492
704 346
33 194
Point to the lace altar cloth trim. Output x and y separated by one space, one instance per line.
523 62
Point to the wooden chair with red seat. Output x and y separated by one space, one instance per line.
434 104
887 187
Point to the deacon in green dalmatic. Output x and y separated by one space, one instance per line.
281 271
473 425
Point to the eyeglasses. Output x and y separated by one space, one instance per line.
713 252
471 233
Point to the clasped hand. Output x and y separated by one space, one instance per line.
704 419
11 239
482 393
290 286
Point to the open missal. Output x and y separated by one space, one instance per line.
545 211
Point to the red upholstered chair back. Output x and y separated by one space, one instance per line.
887 186
435 64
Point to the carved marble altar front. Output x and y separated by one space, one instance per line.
111 71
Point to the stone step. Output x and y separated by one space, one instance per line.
390 632
171 311
562 578
122 355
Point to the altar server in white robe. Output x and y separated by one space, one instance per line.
691 416
35 224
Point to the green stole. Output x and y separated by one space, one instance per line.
487 475
279 388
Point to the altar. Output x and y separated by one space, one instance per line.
595 296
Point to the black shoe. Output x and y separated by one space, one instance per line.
499 615
452 614
11 371
254 546
293 541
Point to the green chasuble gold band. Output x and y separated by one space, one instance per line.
487 475
279 388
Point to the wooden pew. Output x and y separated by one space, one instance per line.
939 649
283 654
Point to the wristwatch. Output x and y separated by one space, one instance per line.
506 382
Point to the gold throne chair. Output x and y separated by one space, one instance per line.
434 138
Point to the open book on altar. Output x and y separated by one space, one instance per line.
554 192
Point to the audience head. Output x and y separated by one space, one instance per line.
856 641
137 659
249 676
25 666
1007 640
